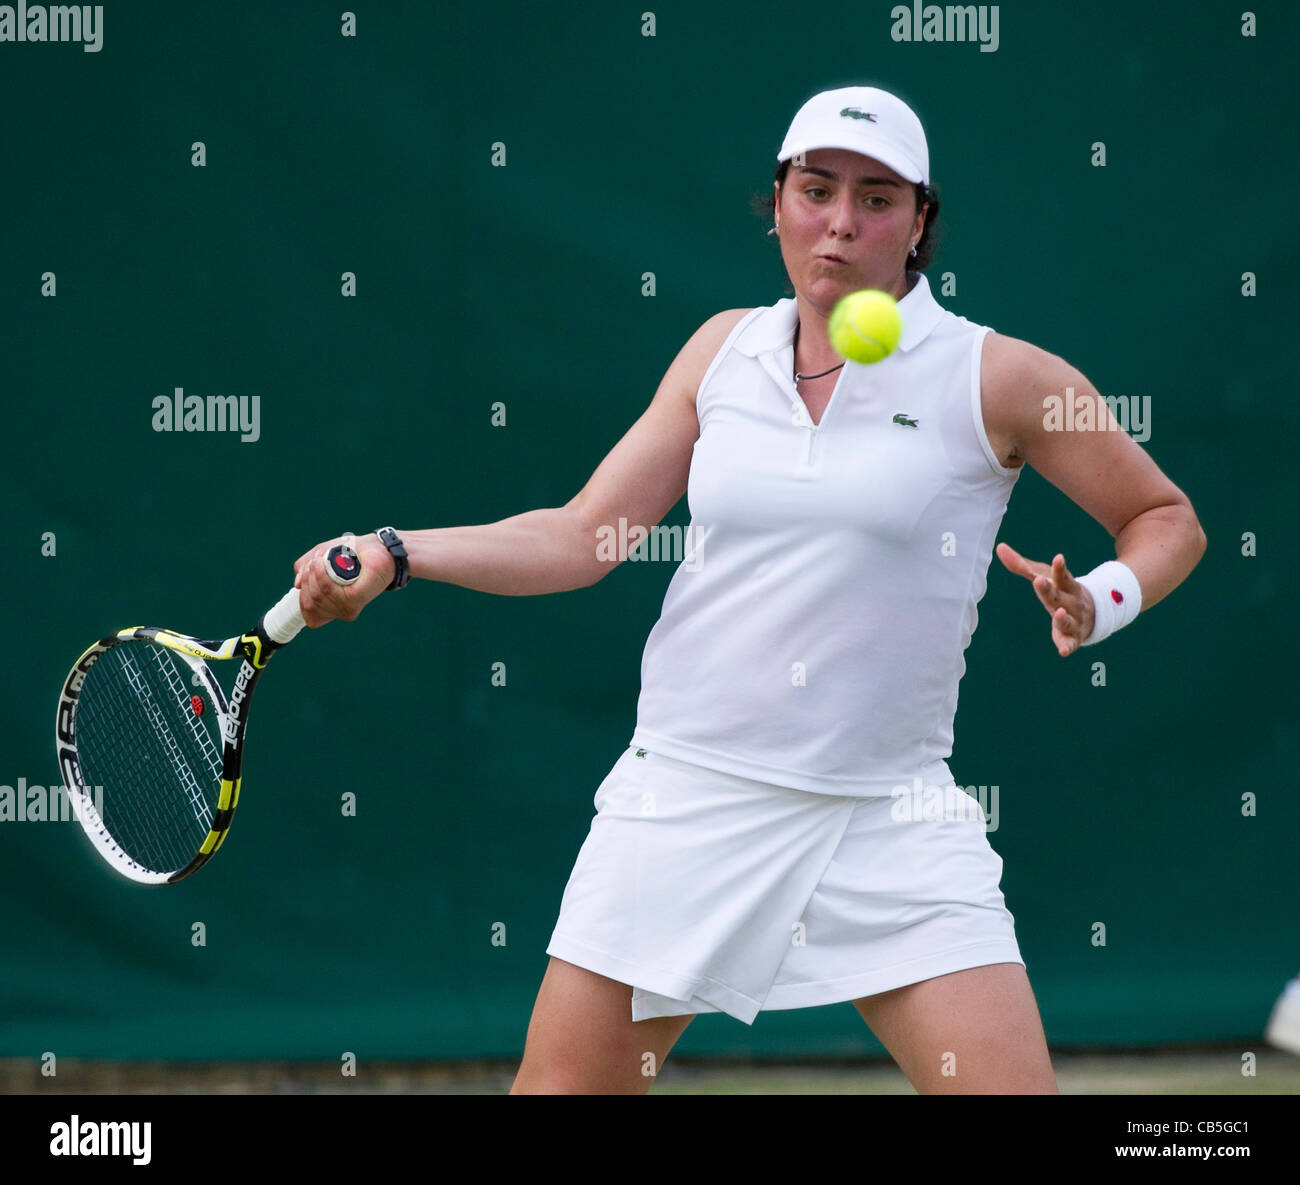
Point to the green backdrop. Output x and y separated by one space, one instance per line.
477 284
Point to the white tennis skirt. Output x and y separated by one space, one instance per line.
708 892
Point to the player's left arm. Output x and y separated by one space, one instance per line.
1103 471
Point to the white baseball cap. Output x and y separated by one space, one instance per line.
862 119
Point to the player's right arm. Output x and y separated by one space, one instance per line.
552 549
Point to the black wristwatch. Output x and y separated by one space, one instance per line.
391 540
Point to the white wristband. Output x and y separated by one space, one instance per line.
1116 598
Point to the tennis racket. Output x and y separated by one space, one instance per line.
151 747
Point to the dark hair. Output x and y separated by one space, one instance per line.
765 205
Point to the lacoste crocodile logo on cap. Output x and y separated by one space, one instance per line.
857 113
905 420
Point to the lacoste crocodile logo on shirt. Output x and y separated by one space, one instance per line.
905 420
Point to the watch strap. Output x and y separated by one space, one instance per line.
391 540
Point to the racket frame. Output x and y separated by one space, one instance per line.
254 650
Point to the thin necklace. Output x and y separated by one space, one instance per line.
798 378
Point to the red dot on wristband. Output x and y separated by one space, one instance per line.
1116 596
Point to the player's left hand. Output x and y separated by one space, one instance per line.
1064 598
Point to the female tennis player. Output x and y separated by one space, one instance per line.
770 838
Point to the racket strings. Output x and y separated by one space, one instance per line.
182 696
157 763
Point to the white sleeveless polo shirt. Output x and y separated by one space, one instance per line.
814 635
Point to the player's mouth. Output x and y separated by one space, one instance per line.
833 259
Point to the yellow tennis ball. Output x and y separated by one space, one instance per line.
865 326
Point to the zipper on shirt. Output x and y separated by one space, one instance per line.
814 430
777 367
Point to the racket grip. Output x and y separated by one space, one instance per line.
342 563
283 621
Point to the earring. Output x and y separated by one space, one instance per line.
913 250
775 229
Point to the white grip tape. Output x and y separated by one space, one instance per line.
284 620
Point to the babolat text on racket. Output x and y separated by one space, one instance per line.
151 747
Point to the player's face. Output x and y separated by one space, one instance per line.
842 203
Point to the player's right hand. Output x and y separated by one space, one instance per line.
321 599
